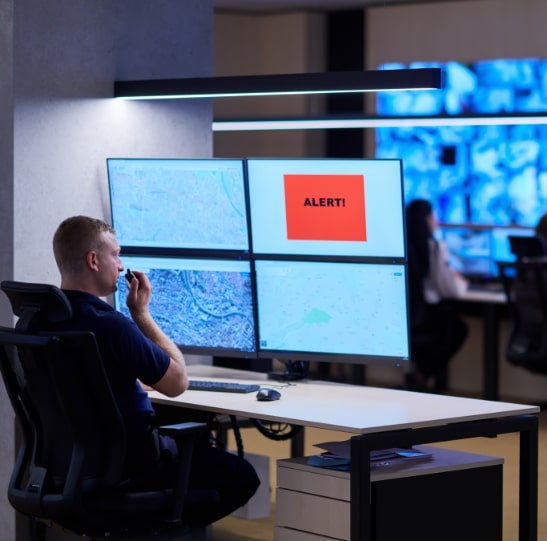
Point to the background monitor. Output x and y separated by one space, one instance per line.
491 176
470 251
493 86
326 207
477 175
179 203
501 244
204 305
333 311
488 176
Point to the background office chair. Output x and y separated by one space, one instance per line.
70 463
522 246
525 284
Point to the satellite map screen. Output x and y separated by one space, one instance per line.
201 304
178 203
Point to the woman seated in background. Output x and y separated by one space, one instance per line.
436 330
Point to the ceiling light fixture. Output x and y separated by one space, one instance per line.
325 123
278 85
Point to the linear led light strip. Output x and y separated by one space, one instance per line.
371 122
286 84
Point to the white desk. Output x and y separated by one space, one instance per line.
383 418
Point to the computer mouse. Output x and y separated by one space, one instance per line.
267 394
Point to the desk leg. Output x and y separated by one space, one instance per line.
297 444
490 352
360 491
528 484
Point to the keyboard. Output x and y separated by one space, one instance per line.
222 386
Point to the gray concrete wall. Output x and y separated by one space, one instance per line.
59 123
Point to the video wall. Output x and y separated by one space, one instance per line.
481 180
259 258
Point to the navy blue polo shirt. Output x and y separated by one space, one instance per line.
128 355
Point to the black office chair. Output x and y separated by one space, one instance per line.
69 469
522 246
525 285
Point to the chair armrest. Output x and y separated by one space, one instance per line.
182 430
185 435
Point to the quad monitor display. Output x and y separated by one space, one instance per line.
261 258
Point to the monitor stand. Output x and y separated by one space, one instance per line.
294 371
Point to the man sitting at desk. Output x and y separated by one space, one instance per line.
134 351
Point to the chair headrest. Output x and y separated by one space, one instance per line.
32 302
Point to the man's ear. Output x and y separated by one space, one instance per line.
91 260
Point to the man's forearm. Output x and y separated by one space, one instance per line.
151 330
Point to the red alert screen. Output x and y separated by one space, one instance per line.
325 207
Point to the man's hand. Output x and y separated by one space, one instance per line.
175 380
139 294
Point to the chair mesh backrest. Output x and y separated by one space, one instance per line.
75 409
74 437
526 289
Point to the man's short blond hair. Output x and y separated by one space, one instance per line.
74 239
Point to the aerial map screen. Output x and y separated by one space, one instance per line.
332 308
201 304
178 203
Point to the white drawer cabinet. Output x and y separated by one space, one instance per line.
452 496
